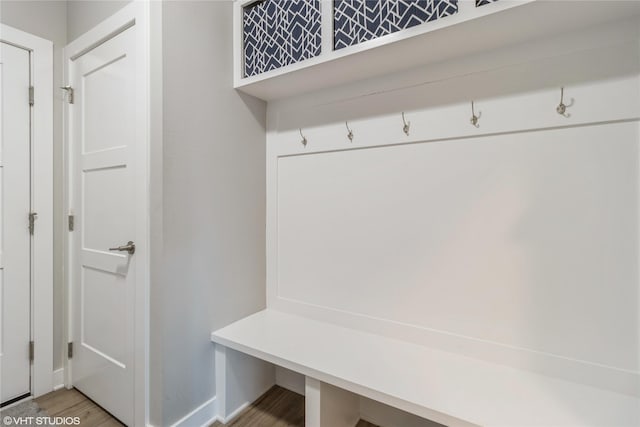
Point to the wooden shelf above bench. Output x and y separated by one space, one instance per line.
471 31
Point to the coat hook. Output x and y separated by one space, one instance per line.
474 118
304 139
562 108
350 134
407 125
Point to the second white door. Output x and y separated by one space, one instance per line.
104 140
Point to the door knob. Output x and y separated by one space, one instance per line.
129 247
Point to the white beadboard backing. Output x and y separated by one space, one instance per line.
515 242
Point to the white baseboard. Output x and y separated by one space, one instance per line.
235 413
58 379
204 415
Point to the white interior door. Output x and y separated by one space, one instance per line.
103 142
15 241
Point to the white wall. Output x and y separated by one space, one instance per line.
48 19
516 242
83 15
214 201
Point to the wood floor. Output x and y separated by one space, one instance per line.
72 403
276 408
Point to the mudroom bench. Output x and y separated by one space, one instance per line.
341 364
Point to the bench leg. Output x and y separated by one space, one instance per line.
329 406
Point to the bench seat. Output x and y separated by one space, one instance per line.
444 387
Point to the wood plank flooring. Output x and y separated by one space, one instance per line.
72 403
276 408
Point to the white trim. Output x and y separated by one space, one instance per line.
221 379
155 178
234 414
204 415
135 14
326 20
238 63
58 379
42 203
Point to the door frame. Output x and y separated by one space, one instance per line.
135 14
41 64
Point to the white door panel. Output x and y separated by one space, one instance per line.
103 139
15 241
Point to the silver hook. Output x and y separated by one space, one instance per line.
304 139
562 108
407 125
350 134
474 118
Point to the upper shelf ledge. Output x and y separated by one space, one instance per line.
470 31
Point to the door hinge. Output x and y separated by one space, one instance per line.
31 96
72 222
69 91
32 222
70 350
31 351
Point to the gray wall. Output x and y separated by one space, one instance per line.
83 15
208 191
214 200
48 19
